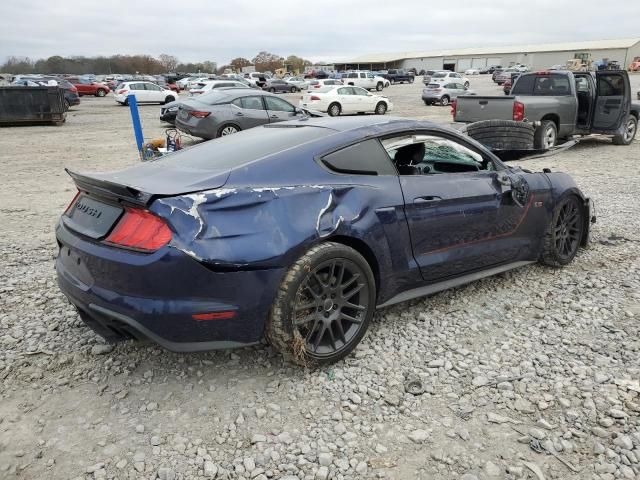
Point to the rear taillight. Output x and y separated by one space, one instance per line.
120 92
140 229
314 97
73 202
454 104
197 114
518 111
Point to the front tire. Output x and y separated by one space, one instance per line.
228 129
293 89
101 92
334 110
379 86
444 101
272 90
381 108
628 131
564 233
323 307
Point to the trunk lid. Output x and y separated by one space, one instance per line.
157 178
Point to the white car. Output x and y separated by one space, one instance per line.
366 80
183 82
200 88
197 81
445 75
324 82
345 99
521 68
254 77
145 92
472 71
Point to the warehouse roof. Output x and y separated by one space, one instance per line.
548 47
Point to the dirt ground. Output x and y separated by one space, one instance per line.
549 355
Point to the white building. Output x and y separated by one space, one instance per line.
535 56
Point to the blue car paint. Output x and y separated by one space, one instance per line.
236 234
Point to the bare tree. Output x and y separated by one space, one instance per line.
169 62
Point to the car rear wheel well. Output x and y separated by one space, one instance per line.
363 249
554 118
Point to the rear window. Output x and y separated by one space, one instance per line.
214 97
439 75
241 148
542 85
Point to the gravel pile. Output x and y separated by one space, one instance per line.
531 374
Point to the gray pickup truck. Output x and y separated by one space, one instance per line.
560 104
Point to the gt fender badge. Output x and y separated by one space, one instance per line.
537 204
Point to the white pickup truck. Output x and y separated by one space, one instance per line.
366 80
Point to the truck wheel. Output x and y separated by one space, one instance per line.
546 136
379 86
628 131
502 134
444 101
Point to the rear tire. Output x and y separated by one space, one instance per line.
293 89
272 90
564 233
228 129
334 109
628 131
546 135
323 307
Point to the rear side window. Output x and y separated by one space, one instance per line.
552 85
610 85
524 85
364 158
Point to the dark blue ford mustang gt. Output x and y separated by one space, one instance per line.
298 231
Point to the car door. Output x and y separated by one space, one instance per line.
138 91
365 102
613 94
279 110
346 98
461 214
249 112
153 93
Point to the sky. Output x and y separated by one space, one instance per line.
319 30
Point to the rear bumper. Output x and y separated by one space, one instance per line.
122 294
198 130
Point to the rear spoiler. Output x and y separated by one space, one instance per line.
110 190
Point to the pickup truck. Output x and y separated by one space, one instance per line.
399 76
366 80
561 104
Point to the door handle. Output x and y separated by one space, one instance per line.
274 116
427 200
239 114
483 102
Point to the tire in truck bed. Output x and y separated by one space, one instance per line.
502 134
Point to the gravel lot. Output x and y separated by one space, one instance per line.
537 357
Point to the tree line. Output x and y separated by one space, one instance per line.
144 64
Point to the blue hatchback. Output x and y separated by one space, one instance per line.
298 231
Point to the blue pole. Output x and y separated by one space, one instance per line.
137 126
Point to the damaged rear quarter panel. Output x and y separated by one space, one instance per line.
268 227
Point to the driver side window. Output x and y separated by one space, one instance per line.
432 154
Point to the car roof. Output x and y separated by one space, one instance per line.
344 124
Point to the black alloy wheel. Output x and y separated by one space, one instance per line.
564 234
330 306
